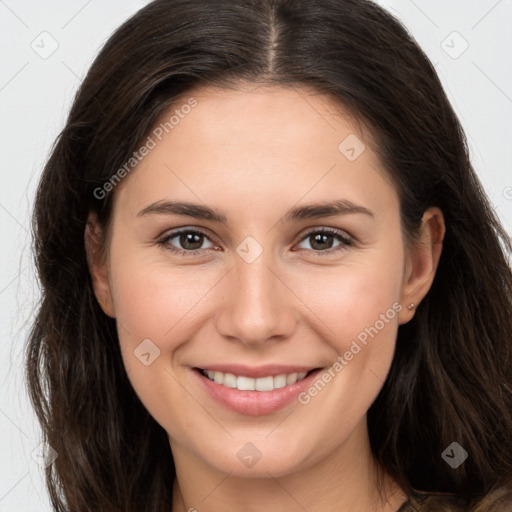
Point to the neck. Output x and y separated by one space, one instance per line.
347 480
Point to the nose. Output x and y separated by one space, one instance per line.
258 306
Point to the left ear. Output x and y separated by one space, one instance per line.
421 262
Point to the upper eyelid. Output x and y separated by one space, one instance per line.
171 233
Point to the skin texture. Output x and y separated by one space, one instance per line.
253 154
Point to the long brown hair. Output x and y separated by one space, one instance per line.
451 377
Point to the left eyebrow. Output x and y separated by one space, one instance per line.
315 210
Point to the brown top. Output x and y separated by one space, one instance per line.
420 502
411 505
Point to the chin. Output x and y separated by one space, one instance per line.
259 458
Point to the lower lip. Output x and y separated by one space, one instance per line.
255 403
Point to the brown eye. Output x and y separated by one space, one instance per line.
321 241
190 241
186 241
326 240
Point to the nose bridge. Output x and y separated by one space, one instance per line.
257 307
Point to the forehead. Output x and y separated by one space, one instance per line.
255 145
263 112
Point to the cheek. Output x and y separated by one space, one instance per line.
350 298
153 300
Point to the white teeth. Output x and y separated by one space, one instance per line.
279 381
264 384
230 380
245 383
291 379
248 384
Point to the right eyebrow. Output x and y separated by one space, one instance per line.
197 211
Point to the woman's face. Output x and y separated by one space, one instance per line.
287 258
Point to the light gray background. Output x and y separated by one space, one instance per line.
36 90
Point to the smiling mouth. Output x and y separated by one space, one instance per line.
244 383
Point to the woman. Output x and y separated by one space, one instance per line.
271 278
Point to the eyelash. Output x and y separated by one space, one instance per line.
345 241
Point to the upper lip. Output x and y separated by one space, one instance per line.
255 372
